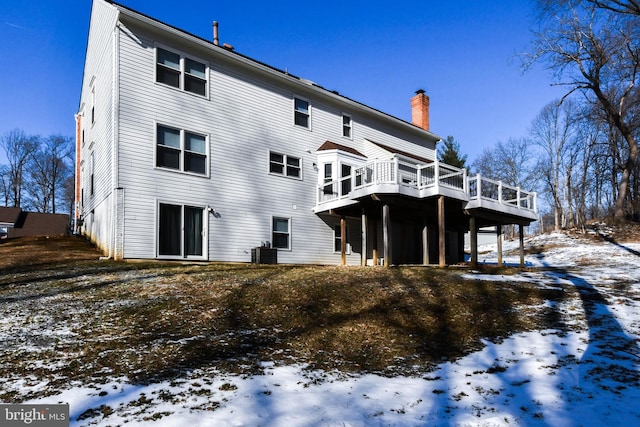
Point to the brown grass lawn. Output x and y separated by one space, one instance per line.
70 317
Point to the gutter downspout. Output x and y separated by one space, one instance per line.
115 82
76 201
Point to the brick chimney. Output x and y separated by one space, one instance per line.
420 110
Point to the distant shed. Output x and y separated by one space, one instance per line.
14 222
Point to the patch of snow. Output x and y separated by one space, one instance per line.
589 376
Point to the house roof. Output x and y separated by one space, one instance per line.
328 145
400 152
9 215
40 224
232 53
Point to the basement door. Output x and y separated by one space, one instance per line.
181 231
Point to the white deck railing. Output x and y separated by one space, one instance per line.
434 176
488 189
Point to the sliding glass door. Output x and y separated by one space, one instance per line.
180 231
192 231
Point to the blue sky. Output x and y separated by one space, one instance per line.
463 53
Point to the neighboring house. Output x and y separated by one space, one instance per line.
187 149
14 222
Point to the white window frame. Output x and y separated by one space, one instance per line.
183 72
92 172
348 179
336 230
295 112
328 183
284 164
205 228
289 240
92 111
347 126
183 150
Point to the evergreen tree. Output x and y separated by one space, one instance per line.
449 153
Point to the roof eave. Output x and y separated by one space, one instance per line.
290 78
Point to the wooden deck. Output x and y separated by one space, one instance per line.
481 196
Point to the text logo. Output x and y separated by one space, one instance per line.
34 415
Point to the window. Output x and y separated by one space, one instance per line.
301 113
280 233
346 126
337 239
93 106
180 72
195 158
92 172
168 68
181 150
281 164
345 179
328 177
180 231
195 77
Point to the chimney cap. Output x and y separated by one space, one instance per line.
420 91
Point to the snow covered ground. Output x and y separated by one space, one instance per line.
589 376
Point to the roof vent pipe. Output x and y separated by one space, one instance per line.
215 33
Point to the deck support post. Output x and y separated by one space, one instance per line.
374 241
364 226
425 241
521 232
386 234
343 240
499 241
441 233
473 241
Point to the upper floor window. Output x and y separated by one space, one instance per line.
93 106
345 179
180 72
327 189
346 126
282 164
301 112
181 150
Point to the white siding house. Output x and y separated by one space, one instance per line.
190 150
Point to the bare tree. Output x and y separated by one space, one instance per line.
4 185
510 162
552 130
18 149
49 168
593 48
69 193
630 7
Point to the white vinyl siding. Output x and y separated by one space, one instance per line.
97 111
249 117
